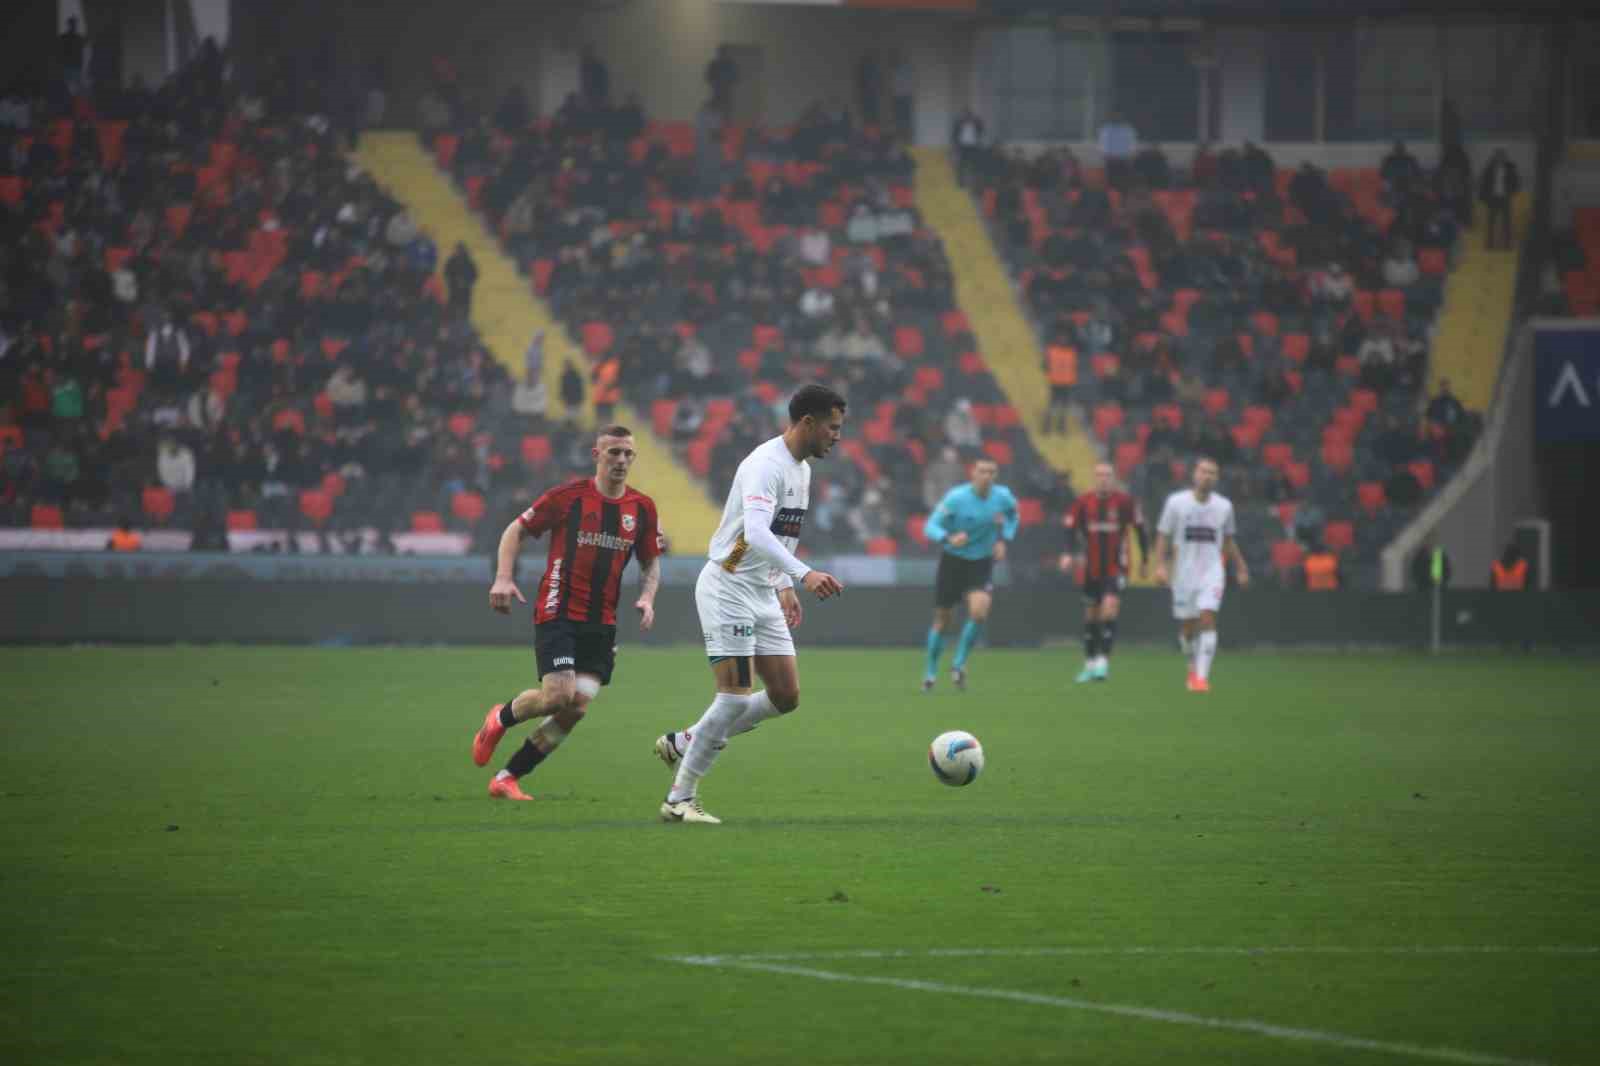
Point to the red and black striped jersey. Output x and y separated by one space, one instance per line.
592 536
1104 521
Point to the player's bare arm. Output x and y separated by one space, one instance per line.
505 588
649 584
793 612
1162 545
1241 572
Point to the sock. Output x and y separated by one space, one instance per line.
1091 641
1108 636
971 633
549 736
1186 646
508 717
527 757
709 734
758 710
935 651
1206 650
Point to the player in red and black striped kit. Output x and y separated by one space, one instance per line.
596 525
1101 520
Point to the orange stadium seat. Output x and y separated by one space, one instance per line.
426 522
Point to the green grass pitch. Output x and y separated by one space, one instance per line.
269 855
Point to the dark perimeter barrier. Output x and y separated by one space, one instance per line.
201 598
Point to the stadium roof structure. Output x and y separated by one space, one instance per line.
1278 10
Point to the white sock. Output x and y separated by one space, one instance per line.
709 733
1206 650
758 710
551 734
1186 646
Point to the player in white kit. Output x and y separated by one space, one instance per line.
746 595
1197 526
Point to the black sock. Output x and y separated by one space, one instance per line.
507 719
1108 635
1091 639
527 757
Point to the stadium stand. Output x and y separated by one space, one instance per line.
214 323
1276 319
710 269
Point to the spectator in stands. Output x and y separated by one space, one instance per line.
1509 573
870 518
1452 181
869 87
1445 411
722 78
941 475
1118 142
124 538
1309 191
512 114
571 392
1333 286
1061 371
1400 267
969 138
1257 169
1152 168
167 355
606 390
1497 188
175 465
70 48
687 418
1379 358
594 79
961 426
1320 569
460 275
1400 172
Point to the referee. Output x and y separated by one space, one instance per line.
971 524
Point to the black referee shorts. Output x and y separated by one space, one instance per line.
958 576
586 647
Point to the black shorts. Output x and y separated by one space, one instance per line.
1097 589
958 576
587 647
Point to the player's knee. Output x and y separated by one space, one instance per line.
785 699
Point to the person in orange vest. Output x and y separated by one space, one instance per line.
1061 370
607 391
1322 571
1509 573
125 538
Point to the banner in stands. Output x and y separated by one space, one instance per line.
1566 384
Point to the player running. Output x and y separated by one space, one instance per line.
746 596
1197 524
1101 519
596 525
971 525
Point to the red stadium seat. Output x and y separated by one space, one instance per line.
908 342
46 516
1392 302
1006 416
1298 474
10 437
1364 400
1371 496
461 425
661 415
333 484
1277 455
1338 456
1433 261
699 456
1030 511
426 522
542 269
767 338
1265 323
1296 346
322 404
158 502
972 363
536 450
1422 470
914 531
1286 512
1129 456
1257 415
928 378
597 338
469 507
1169 415
999 451
1216 401
1287 555
1347 366
1366 305
316 505
1107 416
1339 536
241 521
955 322
1104 364
1246 435
883 547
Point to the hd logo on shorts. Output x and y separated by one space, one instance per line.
741 630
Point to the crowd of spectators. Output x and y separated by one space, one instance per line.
210 318
1277 319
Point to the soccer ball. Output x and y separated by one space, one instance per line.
956 758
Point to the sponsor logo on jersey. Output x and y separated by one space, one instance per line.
553 600
788 520
604 540
1200 534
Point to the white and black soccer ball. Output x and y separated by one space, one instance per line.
956 758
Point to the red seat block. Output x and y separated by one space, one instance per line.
536 450
316 505
998 450
1257 415
928 378
1371 496
971 363
1297 473
468 506
1169 415
1422 470
908 342
158 502
1129 457
1287 556
883 547
661 415
241 521
1338 456
1277 455
426 522
46 516
597 338
1216 401
1296 346
955 322
1265 323
1107 416
1030 511
1392 302
1339 536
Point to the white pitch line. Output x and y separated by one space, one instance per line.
1067 952
1155 1014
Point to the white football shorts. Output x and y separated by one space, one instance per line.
1190 599
738 618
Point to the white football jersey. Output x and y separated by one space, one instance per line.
1196 531
771 481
